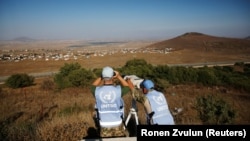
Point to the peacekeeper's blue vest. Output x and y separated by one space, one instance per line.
159 106
110 105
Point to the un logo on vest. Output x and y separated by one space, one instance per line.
159 99
107 97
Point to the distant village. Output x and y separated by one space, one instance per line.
68 54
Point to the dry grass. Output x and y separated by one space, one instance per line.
51 113
34 114
184 96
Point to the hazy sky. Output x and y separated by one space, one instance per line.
122 19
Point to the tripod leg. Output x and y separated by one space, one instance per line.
136 119
128 118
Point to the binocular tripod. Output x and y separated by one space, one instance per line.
132 112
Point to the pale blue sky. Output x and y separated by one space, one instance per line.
122 19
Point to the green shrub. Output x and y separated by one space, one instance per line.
162 71
61 81
138 67
161 84
19 81
207 77
81 78
73 75
240 82
213 110
68 68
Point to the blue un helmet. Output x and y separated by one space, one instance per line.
148 84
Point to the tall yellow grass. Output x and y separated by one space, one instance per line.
34 114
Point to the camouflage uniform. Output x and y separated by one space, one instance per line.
113 132
138 96
103 132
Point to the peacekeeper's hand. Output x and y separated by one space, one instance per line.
136 81
119 77
116 74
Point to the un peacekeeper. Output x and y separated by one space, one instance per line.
157 113
109 102
154 102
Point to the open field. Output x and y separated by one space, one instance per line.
35 114
118 59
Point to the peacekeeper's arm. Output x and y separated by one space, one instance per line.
135 91
125 86
98 81
119 77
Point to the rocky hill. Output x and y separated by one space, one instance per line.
198 41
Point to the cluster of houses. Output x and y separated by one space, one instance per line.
45 54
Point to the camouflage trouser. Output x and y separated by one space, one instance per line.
141 98
138 96
119 131
113 132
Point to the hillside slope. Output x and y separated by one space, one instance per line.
203 42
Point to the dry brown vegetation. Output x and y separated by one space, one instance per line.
68 114
33 113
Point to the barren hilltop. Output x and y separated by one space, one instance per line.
203 42
206 48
